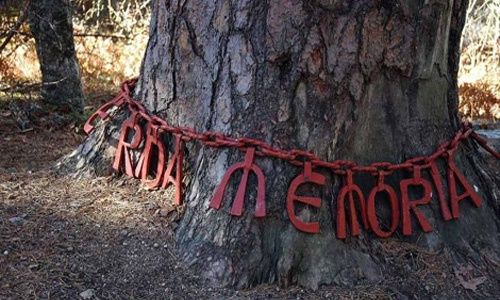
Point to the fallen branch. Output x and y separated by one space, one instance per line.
28 34
100 35
20 87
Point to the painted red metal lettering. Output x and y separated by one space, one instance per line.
297 157
438 183
246 166
349 190
454 174
372 213
177 161
144 164
122 154
307 177
409 205
102 112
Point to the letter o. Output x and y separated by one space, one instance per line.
372 214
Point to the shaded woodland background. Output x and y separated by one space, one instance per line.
110 38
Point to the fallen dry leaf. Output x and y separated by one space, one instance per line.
472 283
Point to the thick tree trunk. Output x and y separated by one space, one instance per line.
361 80
51 25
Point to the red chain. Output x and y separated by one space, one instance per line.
296 157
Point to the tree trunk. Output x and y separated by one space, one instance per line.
360 80
51 25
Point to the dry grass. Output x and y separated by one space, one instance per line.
479 75
109 42
117 55
478 101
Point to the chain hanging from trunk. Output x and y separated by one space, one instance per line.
168 170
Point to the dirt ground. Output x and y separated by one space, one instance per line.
109 238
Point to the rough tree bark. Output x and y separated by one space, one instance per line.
51 25
361 80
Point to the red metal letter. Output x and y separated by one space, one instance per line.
177 161
246 166
144 164
102 113
350 189
408 206
453 174
308 177
372 214
123 147
438 183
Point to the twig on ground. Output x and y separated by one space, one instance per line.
23 86
77 34
100 35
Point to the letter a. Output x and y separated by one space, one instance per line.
177 161
438 183
454 174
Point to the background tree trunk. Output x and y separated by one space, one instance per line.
361 80
51 25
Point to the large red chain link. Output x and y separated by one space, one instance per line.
296 157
